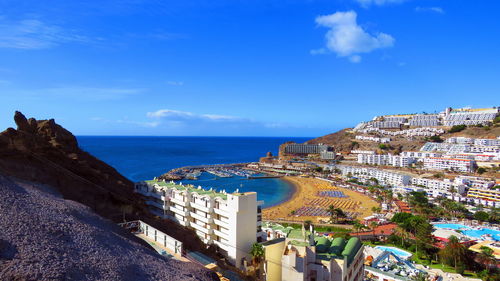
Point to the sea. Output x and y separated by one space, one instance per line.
143 158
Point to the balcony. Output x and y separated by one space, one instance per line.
221 234
156 204
200 217
179 211
201 207
223 212
200 228
179 201
184 223
221 245
221 223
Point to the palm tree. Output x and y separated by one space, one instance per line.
486 258
401 232
454 251
373 225
257 253
335 213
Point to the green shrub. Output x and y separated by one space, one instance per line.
457 128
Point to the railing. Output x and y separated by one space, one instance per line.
153 234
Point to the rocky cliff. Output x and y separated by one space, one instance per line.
41 151
45 237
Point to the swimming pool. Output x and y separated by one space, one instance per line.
396 251
495 234
468 231
454 226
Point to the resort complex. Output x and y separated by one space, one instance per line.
401 179
229 220
298 254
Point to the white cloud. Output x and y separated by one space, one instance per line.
367 3
34 34
355 59
437 10
178 115
347 39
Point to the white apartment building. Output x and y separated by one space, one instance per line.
476 182
231 221
385 177
420 155
374 139
385 159
452 164
468 116
438 187
362 152
423 131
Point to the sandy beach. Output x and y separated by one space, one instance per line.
306 197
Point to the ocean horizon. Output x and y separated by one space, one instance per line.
145 157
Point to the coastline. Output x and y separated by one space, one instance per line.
304 191
293 191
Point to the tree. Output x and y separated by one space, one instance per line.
454 253
481 216
481 170
436 139
257 252
383 146
335 213
487 258
373 225
457 128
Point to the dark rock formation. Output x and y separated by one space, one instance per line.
45 237
41 151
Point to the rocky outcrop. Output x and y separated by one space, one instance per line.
41 151
45 237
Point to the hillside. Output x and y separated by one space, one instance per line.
45 237
344 140
41 151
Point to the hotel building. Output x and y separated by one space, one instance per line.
385 159
299 255
231 221
452 164
384 177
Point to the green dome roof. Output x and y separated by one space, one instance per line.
323 245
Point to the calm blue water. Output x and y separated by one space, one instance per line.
143 158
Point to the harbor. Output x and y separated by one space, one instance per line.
218 170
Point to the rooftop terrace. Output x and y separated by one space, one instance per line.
190 188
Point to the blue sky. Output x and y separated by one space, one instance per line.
243 67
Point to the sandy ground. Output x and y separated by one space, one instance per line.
306 191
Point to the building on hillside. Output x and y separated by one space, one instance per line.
451 164
231 221
476 182
307 257
420 155
386 159
384 177
492 195
374 139
362 152
469 116
298 148
438 188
